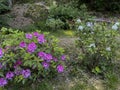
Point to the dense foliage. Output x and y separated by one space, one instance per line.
100 5
98 44
65 13
29 57
4 6
3 20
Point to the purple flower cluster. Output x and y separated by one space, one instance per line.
45 56
36 34
41 55
9 75
31 47
48 57
22 44
3 82
45 65
1 53
55 59
26 73
18 63
60 68
41 39
63 57
18 71
29 36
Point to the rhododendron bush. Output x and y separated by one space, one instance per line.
29 56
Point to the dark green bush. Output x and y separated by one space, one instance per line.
65 13
99 5
25 1
4 6
4 20
108 5
54 24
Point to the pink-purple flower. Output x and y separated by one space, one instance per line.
9 75
31 47
48 57
41 39
63 57
45 56
41 55
22 44
3 82
17 63
29 36
26 73
60 68
45 65
18 71
36 34
1 53
55 59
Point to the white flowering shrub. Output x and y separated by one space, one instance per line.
116 26
98 45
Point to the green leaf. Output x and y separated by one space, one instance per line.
1 74
97 69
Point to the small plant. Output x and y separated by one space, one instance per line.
98 45
54 24
111 81
3 21
29 57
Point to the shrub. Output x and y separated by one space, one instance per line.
98 45
3 20
29 57
99 5
54 24
24 1
102 5
65 13
4 6
29 28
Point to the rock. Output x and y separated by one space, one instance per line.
37 12
24 14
